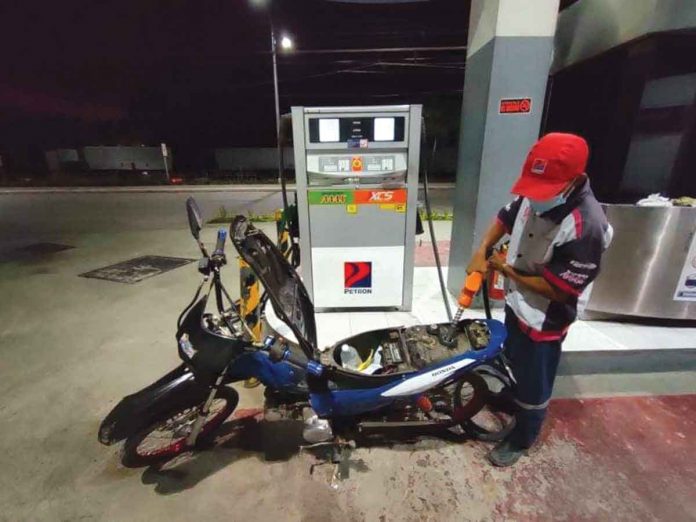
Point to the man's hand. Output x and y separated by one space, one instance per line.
536 284
478 263
497 262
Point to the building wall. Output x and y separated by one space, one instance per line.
123 158
55 158
591 27
625 79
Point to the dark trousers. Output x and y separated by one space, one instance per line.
534 366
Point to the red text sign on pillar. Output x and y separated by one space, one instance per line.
515 106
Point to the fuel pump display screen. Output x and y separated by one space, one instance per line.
384 129
347 129
329 130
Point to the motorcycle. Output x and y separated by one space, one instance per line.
419 385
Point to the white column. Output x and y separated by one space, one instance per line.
508 58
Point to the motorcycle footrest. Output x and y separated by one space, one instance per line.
401 426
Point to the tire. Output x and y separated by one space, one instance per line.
475 401
492 424
136 456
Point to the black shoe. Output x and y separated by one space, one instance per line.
505 454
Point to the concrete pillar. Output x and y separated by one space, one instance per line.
509 53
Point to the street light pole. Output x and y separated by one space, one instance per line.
279 145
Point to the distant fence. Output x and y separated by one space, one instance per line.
126 165
107 159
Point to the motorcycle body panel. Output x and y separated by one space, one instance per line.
142 408
287 293
280 376
352 399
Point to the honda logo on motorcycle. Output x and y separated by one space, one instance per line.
357 277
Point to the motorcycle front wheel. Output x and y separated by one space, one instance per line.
166 437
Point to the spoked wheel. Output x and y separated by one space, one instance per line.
166 438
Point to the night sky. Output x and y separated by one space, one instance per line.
198 74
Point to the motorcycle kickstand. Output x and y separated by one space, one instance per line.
340 457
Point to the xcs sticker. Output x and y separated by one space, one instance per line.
382 196
357 277
372 197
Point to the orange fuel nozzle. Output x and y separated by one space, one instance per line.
472 285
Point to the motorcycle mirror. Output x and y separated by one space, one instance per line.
194 217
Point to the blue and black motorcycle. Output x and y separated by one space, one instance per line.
418 384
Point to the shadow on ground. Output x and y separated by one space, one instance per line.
248 436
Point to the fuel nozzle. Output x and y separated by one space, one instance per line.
448 336
472 285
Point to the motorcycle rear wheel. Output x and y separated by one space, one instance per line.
166 437
494 422
470 394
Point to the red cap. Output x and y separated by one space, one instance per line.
553 162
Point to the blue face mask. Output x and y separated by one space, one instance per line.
544 206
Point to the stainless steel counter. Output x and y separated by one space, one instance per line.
641 270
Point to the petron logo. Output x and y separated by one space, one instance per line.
539 166
357 277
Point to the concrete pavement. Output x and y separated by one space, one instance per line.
39 215
71 348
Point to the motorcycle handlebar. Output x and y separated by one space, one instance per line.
281 352
220 245
296 359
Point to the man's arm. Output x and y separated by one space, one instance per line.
536 284
479 262
501 225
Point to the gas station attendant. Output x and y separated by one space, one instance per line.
558 232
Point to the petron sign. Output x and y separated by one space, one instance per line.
357 277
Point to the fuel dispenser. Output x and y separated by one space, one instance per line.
356 171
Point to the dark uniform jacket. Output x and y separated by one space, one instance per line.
564 246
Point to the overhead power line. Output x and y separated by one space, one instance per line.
383 50
426 65
364 69
376 95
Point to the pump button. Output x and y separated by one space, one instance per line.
357 164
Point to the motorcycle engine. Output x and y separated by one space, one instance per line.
424 347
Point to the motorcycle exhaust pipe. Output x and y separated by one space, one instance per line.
315 429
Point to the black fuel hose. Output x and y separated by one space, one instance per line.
436 250
486 298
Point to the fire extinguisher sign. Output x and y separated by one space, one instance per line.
515 106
